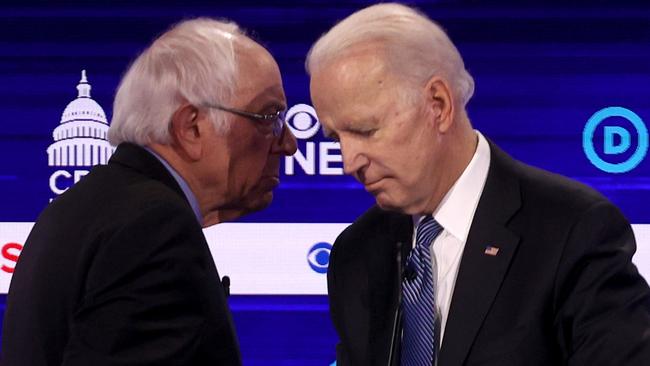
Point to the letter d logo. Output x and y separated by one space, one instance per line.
617 140
611 148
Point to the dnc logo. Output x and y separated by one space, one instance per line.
319 257
622 129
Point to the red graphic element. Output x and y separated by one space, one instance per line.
10 252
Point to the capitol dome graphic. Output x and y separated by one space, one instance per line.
81 137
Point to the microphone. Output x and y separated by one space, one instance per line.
225 282
397 320
410 272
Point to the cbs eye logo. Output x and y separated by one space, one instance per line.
624 129
302 121
319 257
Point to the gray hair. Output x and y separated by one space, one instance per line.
415 47
194 61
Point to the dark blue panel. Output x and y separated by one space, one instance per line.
278 330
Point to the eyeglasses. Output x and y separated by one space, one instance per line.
275 121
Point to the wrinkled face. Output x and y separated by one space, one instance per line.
245 161
388 144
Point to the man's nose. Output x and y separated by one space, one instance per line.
353 159
285 144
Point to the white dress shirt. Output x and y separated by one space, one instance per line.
455 214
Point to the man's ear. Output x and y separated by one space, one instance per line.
185 131
442 103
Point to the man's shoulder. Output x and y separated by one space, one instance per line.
112 196
545 189
374 220
372 227
557 192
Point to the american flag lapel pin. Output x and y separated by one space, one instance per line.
491 250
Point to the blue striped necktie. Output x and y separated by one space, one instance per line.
419 319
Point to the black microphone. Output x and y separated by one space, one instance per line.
410 273
397 320
225 282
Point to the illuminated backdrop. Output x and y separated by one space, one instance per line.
560 85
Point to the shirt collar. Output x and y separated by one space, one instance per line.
189 195
456 210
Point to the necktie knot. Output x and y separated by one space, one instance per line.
427 230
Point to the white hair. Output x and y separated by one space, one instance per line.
415 47
194 61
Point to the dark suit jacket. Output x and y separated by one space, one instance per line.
561 290
116 271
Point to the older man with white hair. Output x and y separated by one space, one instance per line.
116 271
470 257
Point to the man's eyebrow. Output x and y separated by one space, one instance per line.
269 98
274 105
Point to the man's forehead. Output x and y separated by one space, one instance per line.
259 79
248 51
350 83
355 66
271 96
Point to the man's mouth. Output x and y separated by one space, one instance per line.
372 186
270 181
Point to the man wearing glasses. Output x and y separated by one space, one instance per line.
116 271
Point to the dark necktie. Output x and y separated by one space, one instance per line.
419 319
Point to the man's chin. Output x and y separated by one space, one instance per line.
258 203
388 204
235 210
263 203
384 202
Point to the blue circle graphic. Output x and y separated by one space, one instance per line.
322 258
319 257
588 144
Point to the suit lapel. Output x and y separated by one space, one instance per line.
384 283
482 270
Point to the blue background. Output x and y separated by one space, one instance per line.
542 68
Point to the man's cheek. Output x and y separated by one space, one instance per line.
271 162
